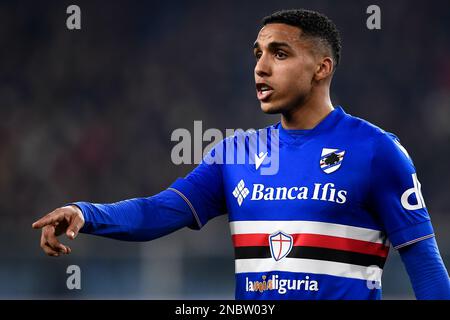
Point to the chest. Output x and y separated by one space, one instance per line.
300 183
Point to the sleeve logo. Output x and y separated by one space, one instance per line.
416 190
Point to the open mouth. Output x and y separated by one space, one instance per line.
263 91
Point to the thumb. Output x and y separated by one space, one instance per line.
74 228
71 234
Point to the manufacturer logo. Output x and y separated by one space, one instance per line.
259 159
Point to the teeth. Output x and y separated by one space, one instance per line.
264 88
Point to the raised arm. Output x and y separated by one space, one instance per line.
188 202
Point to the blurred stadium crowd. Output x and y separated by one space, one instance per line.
88 114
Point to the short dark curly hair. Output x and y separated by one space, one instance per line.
313 24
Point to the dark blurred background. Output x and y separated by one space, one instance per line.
88 115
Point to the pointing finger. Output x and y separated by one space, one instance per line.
51 218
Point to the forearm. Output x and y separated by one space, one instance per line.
426 270
139 219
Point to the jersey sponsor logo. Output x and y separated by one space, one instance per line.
331 159
417 191
280 285
240 192
323 192
320 191
280 245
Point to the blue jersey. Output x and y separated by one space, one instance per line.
311 216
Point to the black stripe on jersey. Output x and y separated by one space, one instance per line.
252 252
314 253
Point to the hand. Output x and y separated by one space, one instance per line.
68 220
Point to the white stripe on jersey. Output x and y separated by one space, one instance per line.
313 227
371 273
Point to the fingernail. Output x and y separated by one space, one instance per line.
72 234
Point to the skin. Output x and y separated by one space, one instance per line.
299 71
65 220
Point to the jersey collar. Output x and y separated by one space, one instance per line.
301 136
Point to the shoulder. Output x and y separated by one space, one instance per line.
241 137
364 127
238 143
377 138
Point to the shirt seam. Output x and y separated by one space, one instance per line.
194 212
414 241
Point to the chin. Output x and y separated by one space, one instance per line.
269 108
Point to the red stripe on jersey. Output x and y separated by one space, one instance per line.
315 240
338 243
250 240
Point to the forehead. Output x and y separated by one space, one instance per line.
280 32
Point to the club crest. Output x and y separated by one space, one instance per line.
331 159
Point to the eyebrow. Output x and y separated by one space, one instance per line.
272 45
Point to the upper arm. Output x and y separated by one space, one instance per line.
202 189
395 193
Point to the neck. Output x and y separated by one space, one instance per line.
308 114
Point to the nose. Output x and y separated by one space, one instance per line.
262 68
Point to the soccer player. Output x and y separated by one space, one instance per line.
320 225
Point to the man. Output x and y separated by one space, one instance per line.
318 227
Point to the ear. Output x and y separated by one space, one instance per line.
324 69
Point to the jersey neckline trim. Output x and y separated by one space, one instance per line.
300 136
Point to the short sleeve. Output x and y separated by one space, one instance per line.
202 189
395 193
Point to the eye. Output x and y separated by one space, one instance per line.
280 55
258 54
